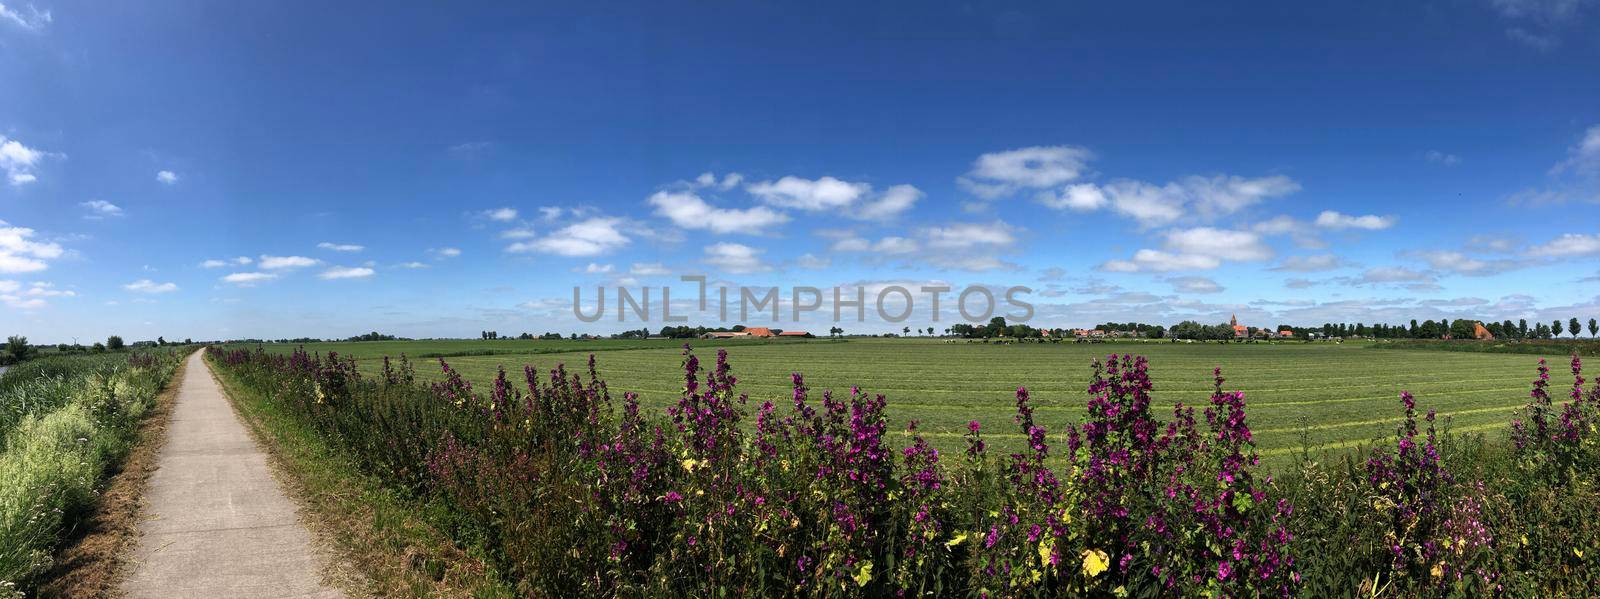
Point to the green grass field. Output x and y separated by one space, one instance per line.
1336 395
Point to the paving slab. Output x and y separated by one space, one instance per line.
216 523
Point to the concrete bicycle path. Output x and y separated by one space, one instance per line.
216 523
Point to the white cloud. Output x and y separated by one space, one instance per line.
1148 260
729 181
735 258
1567 245
1218 243
413 265
519 233
241 261
20 254
1330 219
1156 205
1194 285
811 262
895 245
826 193
100 209
19 161
963 236
1460 263
891 203
344 272
14 296
34 20
1317 263
281 262
597 269
167 177
1393 274
247 279
151 287
1081 197
503 215
851 244
445 252
1583 158
592 237
550 212
998 174
641 269
1443 158
687 210
341 247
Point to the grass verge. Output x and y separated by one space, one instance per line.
91 561
388 538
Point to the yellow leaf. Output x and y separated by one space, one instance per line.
864 575
1577 552
1437 571
960 538
1095 561
689 464
1045 547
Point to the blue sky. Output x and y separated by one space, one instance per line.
215 170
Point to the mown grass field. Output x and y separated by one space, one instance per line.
1331 395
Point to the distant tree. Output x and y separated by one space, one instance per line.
1522 328
907 330
98 348
114 343
1594 327
17 350
835 331
161 341
1573 328
1555 328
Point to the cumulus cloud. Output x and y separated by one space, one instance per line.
284 262
811 262
150 287
826 193
341 247
1218 243
891 203
413 265
1393 274
963 236
686 209
1330 219
1156 205
1316 263
248 279
1194 285
652 269
17 296
167 177
1460 263
999 174
503 215
345 272
729 181
1148 260
100 209
19 253
445 252
1583 158
213 263
17 160
1080 197
1569 244
735 258
592 237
